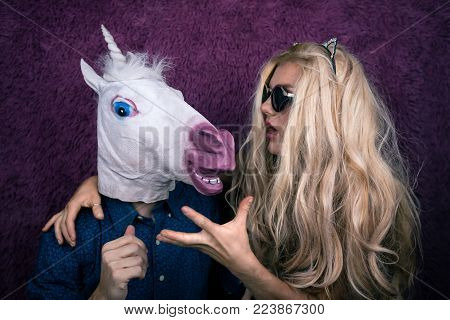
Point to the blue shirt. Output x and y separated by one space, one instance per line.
173 272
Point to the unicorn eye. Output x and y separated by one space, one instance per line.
124 107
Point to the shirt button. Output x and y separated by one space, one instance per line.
140 218
157 242
170 215
161 278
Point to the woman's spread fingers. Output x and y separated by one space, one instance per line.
51 221
71 211
194 240
58 233
213 254
65 232
244 207
159 237
181 238
70 226
97 210
199 219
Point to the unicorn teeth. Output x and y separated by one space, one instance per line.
207 180
211 181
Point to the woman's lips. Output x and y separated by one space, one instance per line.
271 132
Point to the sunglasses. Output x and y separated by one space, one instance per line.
280 97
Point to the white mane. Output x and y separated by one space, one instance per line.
137 66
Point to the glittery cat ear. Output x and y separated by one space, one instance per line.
331 45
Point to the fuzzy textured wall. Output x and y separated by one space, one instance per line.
48 137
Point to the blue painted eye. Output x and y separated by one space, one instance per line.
124 107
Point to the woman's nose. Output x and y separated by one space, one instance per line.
266 108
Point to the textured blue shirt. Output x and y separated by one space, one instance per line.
173 272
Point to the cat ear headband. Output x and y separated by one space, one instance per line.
331 46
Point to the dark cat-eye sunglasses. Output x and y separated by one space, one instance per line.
280 97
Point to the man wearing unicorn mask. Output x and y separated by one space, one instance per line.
155 155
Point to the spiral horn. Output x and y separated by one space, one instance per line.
114 52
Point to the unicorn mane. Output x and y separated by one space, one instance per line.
136 66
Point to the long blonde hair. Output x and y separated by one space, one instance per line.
334 214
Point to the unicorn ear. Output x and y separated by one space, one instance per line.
92 79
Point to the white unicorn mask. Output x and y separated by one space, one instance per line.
148 136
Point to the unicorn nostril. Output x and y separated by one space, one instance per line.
207 138
212 150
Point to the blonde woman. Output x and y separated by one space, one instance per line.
324 207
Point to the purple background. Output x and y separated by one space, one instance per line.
48 134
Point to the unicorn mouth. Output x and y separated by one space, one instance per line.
208 180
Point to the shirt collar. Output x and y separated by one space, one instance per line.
182 195
123 213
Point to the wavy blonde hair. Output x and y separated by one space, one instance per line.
334 214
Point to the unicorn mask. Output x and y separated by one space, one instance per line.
148 136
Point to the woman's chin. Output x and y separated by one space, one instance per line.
273 148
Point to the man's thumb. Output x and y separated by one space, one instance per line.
129 231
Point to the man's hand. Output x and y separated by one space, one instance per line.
123 259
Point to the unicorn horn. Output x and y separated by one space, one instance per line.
114 51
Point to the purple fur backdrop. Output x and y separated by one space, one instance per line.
48 136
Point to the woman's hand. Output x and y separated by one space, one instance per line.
228 244
86 196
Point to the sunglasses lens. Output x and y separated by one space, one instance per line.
265 94
279 100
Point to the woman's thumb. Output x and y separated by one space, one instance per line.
244 206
